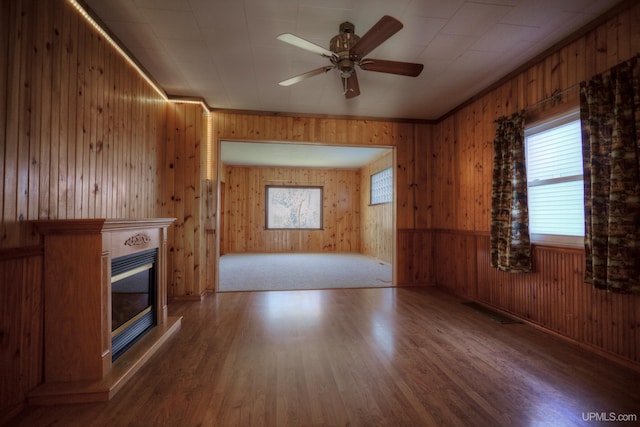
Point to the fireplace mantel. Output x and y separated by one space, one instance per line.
78 363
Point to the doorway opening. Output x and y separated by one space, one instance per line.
351 222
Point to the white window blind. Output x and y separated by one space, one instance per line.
554 177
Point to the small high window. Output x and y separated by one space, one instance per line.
382 187
555 183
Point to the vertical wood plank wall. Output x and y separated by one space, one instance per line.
82 135
376 221
414 261
349 132
245 210
83 131
329 131
459 184
186 198
21 326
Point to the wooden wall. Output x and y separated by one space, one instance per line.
82 131
409 139
553 297
376 221
21 327
187 197
330 131
82 135
414 250
459 185
244 210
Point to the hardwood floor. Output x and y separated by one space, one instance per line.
356 357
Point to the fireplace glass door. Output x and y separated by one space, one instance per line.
133 279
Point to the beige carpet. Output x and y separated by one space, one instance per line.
261 272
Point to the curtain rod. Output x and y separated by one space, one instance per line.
558 93
555 96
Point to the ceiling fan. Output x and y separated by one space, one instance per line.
346 50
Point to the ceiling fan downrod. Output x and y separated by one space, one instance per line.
345 88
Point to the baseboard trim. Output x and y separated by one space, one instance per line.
630 364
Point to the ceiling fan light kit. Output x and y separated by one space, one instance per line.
347 49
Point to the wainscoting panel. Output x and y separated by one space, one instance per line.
554 296
21 326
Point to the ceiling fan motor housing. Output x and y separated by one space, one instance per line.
341 45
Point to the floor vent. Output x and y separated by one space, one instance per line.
492 314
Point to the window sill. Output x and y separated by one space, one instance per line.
573 242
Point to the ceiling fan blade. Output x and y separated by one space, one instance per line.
305 44
351 86
392 67
381 31
300 77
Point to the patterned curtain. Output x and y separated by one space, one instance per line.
610 115
510 245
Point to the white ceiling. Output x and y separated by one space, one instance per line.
226 51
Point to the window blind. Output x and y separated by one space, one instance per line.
554 177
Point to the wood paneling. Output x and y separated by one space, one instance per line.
351 132
414 257
82 135
376 221
21 323
462 149
81 132
183 199
245 210
460 160
554 296
422 188
331 131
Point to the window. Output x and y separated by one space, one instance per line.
294 207
555 184
382 187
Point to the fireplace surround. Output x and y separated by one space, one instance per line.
80 361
